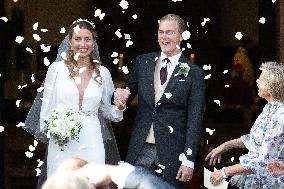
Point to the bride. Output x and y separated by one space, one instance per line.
80 83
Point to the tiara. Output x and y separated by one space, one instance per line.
84 20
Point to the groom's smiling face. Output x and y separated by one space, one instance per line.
82 42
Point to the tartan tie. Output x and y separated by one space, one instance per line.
164 72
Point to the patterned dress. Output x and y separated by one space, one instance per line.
265 142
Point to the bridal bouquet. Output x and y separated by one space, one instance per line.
63 125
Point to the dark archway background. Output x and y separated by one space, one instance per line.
212 44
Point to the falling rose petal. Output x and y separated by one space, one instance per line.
232 159
62 30
76 56
102 16
83 146
98 12
217 102
29 50
2 129
124 4
227 86
189 151
262 20
129 43
40 163
186 35
207 67
134 16
239 35
44 30
29 154
159 171
182 157
171 129
40 89
45 48
204 21
168 95
77 80
21 124
114 54
35 26
76 29
210 131
188 45
19 39
225 71
125 70
36 37
33 78
117 33
5 19
81 70
18 103
46 61
31 148
115 61
35 143
161 166
63 55
38 171
207 76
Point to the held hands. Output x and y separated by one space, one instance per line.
216 178
275 168
215 155
120 97
184 174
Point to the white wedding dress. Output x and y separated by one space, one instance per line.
61 91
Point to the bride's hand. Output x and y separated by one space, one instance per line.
215 155
120 97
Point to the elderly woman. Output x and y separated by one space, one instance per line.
265 141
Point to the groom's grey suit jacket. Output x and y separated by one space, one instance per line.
183 112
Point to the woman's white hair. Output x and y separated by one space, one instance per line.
274 74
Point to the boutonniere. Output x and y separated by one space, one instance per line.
183 69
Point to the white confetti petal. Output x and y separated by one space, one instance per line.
239 35
186 35
76 29
168 95
177 46
35 143
114 54
98 12
189 151
134 16
204 21
232 159
29 154
127 36
125 70
83 146
217 102
2 129
118 34
36 37
62 30
21 124
225 71
76 56
31 148
63 55
33 78
159 171
102 16
227 86
210 131
29 50
44 30
161 166
124 4
46 61
115 61
40 163
188 45
77 80
19 39
18 103
35 26
128 43
207 67
5 19
40 89
182 157
171 129
156 58
38 172
176 0
262 20
45 48
207 76
273 1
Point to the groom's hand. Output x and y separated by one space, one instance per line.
184 174
121 97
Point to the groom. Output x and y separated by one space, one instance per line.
170 90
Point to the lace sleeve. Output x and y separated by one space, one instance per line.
108 110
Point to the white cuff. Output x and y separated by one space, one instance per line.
188 163
121 173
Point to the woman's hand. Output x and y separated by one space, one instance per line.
216 178
215 155
120 97
275 167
